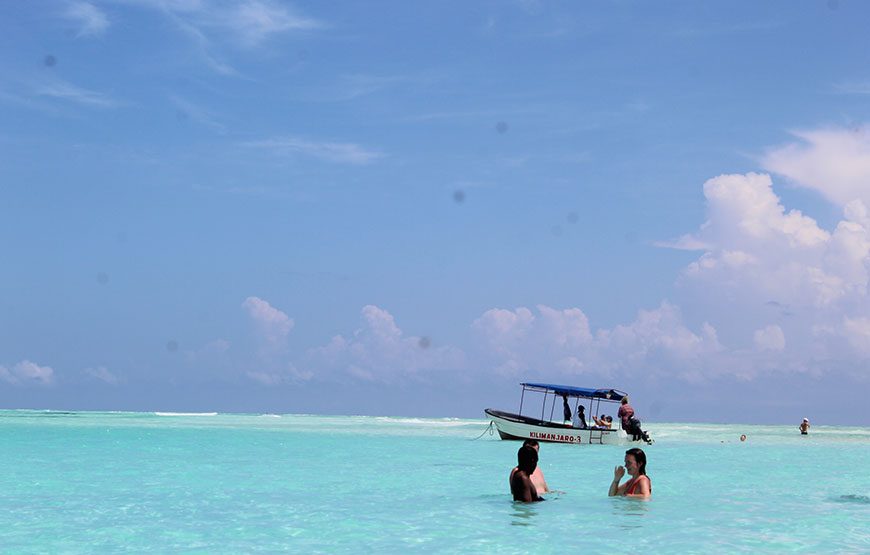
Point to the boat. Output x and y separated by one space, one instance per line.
517 426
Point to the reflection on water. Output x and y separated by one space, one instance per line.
523 513
629 512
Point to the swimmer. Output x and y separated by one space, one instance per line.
639 485
522 487
805 427
538 475
742 437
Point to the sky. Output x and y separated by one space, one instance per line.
409 208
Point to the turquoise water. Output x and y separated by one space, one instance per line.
131 482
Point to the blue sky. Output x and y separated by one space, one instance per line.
409 208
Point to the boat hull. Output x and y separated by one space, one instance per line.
518 427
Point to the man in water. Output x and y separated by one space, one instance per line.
805 427
537 475
522 487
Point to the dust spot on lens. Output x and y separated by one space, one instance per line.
424 342
49 61
172 345
501 127
572 217
102 278
458 196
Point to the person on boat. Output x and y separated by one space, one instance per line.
805 427
566 409
538 475
603 422
625 413
639 485
522 487
580 418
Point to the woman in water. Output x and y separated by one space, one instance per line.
639 485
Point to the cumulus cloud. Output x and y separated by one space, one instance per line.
380 351
273 325
560 342
760 260
27 372
90 20
833 162
770 338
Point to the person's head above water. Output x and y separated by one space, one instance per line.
638 458
533 443
527 459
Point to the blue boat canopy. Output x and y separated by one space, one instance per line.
571 391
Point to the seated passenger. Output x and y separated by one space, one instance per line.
603 422
522 487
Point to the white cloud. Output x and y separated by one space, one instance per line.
761 260
770 338
254 21
343 153
273 325
27 372
380 351
833 162
247 22
857 332
63 90
518 343
91 20
102 374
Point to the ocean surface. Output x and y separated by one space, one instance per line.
98 482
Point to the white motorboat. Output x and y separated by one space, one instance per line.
559 430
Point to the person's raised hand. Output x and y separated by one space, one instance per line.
618 473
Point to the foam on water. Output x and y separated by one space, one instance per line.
229 483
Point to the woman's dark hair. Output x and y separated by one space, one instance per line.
640 457
527 459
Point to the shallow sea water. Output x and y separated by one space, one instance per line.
89 482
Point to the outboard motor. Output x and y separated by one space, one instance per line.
636 433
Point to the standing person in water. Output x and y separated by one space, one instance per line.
805 427
522 487
625 413
639 485
538 475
